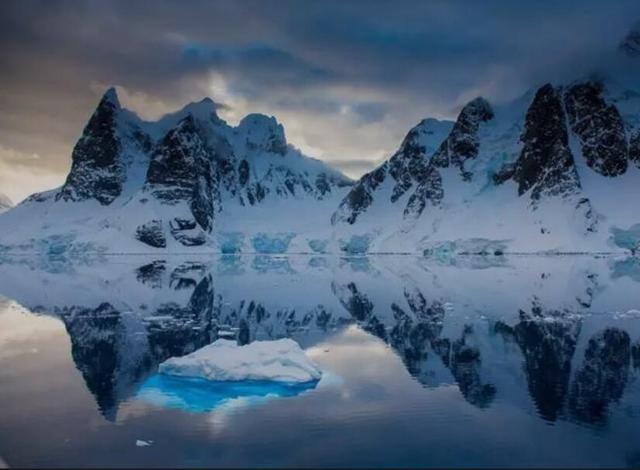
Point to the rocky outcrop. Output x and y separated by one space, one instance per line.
152 234
429 190
603 377
97 170
465 363
176 164
599 127
634 147
462 144
548 342
182 171
546 166
359 198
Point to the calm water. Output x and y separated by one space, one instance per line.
524 361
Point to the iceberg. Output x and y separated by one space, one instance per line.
224 360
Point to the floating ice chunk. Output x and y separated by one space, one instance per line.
281 361
141 443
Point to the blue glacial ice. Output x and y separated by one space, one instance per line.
199 395
272 244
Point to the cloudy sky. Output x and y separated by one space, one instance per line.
347 79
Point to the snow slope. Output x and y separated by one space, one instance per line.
553 171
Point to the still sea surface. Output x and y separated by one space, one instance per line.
483 362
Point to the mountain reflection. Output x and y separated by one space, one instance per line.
567 341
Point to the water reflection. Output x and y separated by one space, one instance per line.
199 395
528 331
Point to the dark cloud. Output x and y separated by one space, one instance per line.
347 78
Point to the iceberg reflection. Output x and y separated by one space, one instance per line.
198 395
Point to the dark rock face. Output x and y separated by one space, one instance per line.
634 148
181 170
95 341
590 218
323 185
548 348
151 274
546 165
505 174
205 193
96 171
152 234
465 364
102 338
429 190
282 182
599 127
409 164
172 170
187 232
243 172
417 335
463 143
603 376
635 354
360 197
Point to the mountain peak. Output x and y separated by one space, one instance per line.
263 132
479 107
205 109
110 97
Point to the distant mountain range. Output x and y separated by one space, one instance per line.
556 170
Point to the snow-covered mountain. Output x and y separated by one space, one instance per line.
555 170
5 203
187 181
